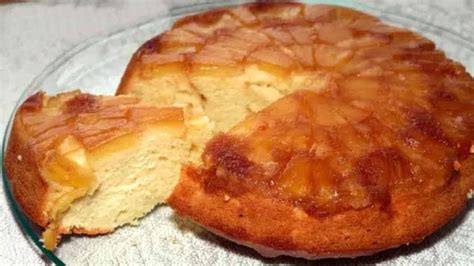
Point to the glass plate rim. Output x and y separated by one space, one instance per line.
171 13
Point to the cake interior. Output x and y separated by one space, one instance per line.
225 95
133 175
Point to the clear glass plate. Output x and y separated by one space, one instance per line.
96 66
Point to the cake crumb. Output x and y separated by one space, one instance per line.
135 223
472 148
20 158
457 165
226 198
470 194
173 240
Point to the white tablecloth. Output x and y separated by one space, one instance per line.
34 34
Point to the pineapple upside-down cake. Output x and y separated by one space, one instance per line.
330 133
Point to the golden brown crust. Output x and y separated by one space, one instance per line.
261 220
28 187
85 231
42 122
378 158
240 193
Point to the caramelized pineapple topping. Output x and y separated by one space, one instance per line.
382 115
67 165
327 155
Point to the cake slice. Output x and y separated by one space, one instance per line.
85 164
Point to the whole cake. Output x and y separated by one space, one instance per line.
364 139
331 134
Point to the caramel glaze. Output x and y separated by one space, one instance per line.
288 38
318 152
395 119
93 120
